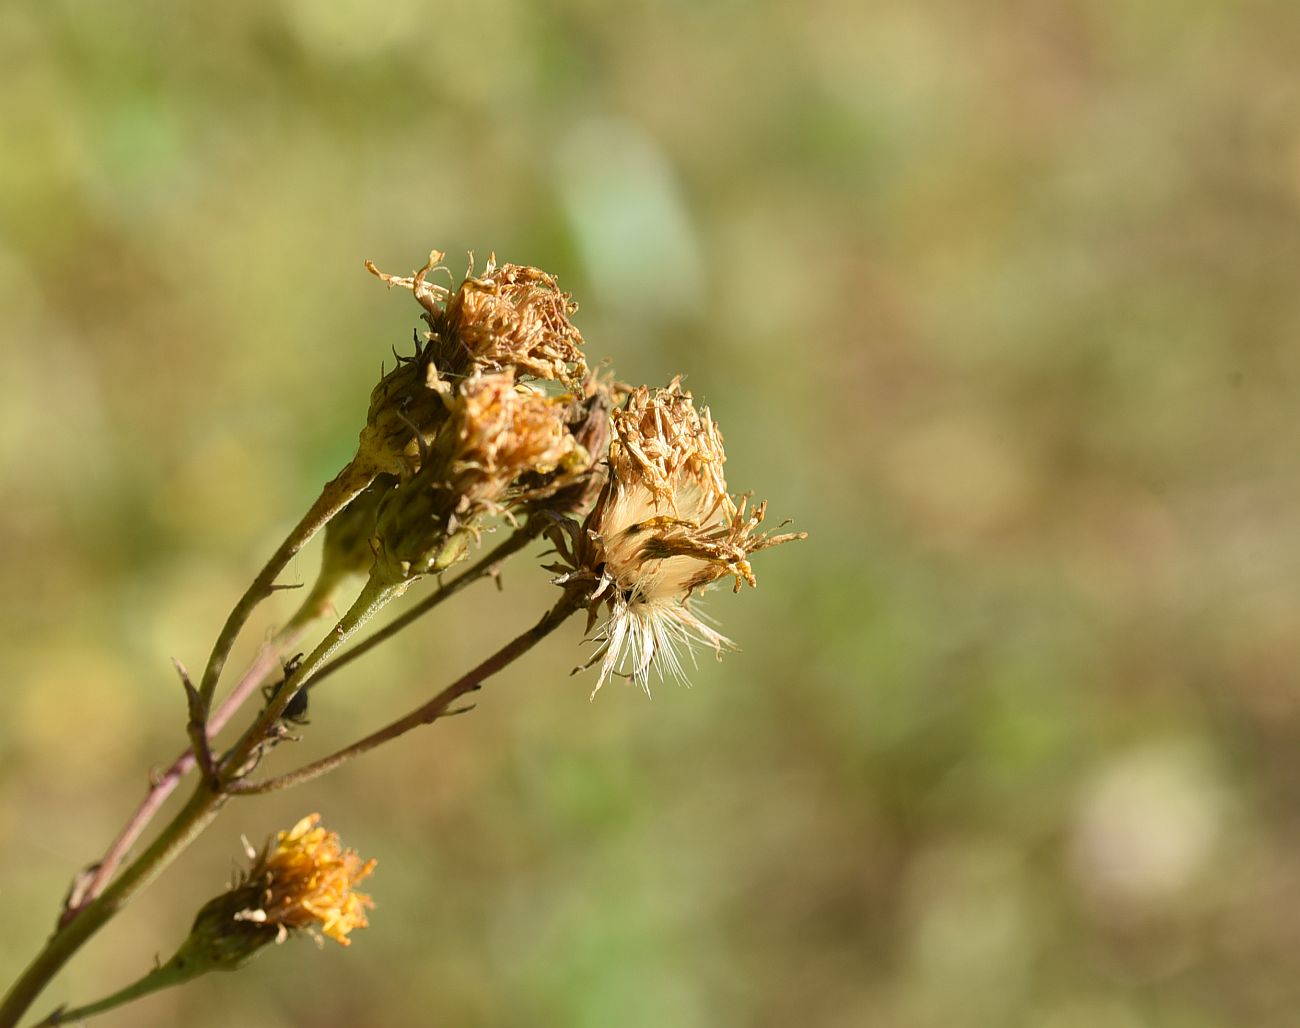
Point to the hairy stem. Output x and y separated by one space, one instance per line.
428 712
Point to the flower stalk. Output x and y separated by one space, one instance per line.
427 713
494 418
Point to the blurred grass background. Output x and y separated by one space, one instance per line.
998 301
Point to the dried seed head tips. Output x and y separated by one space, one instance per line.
502 430
663 527
509 316
514 316
302 881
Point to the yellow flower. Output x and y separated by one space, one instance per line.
305 881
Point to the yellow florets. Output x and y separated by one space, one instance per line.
305 881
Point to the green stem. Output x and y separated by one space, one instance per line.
336 495
170 974
428 712
373 597
196 815
489 564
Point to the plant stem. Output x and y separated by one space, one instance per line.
188 823
489 564
160 789
428 712
266 662
337 494
169 974
373 597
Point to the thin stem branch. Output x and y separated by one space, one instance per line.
184 828
373 597
428 712
163 785
168 975
336 495
196 815
488 565
264 664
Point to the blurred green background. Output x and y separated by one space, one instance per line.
999 301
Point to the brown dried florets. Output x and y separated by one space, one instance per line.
504 445
514 316
661 442
663 527
501 430
509 316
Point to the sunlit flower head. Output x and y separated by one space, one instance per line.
507 316
305 881
502 430
663 528
515 316
301 882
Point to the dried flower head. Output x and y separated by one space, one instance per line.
515 316
509 316
500 430
663 527
504 445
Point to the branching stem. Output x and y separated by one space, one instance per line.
426 713
488 565
337 494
